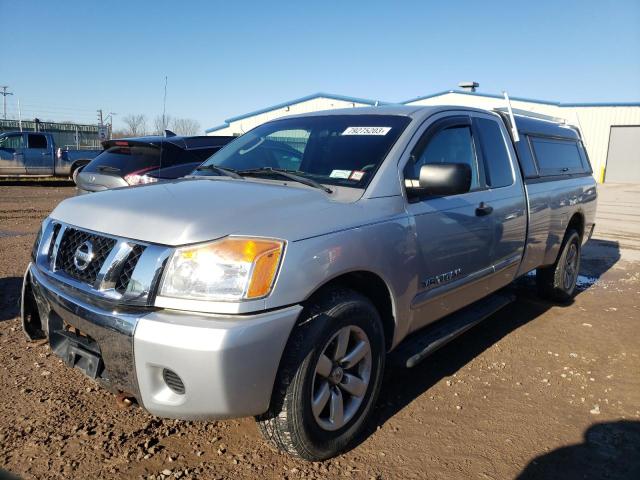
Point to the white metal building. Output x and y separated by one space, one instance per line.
611 131
311 103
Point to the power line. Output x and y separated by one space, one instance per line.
56 117
57 107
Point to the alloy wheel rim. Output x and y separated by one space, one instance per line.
571 267
341 378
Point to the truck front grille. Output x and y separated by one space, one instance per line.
127 268
116 269
71 240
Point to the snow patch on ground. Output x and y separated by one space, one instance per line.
585 281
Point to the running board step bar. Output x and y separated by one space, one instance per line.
423 343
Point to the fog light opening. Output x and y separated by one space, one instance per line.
173 381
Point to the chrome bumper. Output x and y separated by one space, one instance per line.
226 363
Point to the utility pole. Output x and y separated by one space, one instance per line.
4 94
110 117
100 117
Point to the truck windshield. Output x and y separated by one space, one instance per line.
333 149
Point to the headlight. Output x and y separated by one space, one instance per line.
229 269
36 244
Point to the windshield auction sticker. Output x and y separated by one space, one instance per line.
366 131
340 174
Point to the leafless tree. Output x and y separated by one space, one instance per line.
185 126
161 123
123 133
136 125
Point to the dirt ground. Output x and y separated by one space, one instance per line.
536 391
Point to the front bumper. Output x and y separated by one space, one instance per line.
227 363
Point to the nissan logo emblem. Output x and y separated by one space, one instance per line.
83 256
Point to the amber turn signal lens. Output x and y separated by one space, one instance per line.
264 272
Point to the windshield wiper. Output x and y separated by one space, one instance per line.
108 168
286 174
228 172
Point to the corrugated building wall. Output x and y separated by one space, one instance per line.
595 124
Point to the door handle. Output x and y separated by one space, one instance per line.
483 209
44 154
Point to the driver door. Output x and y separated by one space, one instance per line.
12 154
454 234
38 155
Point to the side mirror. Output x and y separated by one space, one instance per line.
444 179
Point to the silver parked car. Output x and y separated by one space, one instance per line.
275 281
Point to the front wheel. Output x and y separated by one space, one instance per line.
329 377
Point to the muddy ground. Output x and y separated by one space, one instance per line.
536 391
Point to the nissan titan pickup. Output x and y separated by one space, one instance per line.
279 278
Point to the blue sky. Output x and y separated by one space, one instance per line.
66 59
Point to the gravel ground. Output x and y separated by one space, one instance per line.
536 391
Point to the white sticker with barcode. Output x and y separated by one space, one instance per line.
366 131
340 173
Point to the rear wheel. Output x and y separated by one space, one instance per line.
558 282
329 378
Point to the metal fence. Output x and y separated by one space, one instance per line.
64 134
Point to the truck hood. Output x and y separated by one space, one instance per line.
197 210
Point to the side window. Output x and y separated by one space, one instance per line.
450 145
555 156
13 142
37 141
494 154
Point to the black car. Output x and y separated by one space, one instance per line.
135 161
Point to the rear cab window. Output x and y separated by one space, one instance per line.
556 156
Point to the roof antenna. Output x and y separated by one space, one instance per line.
514 128
164 122
469 86
164 105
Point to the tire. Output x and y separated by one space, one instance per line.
291 424
558 281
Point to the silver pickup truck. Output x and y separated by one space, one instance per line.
277 285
